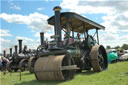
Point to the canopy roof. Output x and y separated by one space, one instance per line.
76 22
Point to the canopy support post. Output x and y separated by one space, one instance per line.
97 36
68 30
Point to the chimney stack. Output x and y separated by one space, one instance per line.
42 37
10 51
20 46
16 49
57 25
4 53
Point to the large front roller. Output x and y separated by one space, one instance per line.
99 60
58 67
23 64
31 63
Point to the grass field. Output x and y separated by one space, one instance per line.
117 74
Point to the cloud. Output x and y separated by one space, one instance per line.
40 9
35 21
82 7
113 39
46 35
115 12
2 40
116 22
13 5
31 43
3 44
25 39
6 44
114 16
4 33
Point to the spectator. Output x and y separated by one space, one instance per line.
4 62
1 63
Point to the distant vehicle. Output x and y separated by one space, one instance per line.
124 56
126 51
112 55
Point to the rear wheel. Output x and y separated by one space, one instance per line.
99 60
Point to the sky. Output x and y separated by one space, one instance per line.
25 19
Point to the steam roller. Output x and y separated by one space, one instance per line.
25 63
16 57
60 59
19 60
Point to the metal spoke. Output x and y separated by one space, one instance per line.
101 59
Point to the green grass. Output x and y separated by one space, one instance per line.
117 74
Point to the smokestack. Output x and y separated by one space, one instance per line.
57 25
16 49
42 37
10 51
20 46
4 53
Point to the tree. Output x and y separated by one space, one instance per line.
108 47
117 47
125 46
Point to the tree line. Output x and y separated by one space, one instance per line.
123 47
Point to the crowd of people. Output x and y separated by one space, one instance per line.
3 63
